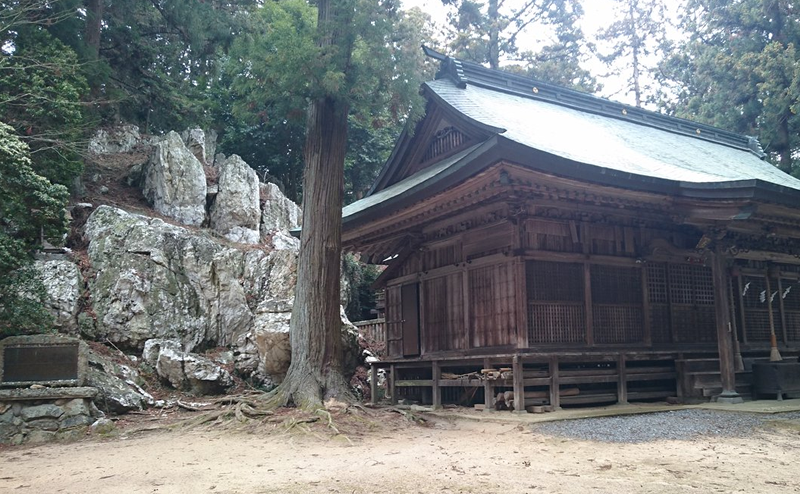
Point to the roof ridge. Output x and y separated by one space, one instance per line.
463 72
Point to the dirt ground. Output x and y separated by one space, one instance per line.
383 452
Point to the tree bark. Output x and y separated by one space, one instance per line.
494 34
315 373
94 25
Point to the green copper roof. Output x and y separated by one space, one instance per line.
611 143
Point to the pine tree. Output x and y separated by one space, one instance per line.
635 41
488 31
738 69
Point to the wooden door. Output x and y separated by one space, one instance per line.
410 320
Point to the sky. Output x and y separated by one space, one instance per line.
597 14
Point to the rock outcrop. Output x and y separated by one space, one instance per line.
279 213
169 291
152 280
122 139
156 280
196 374
63 281
236 212
118 391
202 144
175 183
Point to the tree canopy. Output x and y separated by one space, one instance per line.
30 208
738 68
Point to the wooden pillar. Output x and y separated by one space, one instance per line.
469 338
392 388
519 385
727 366
555 396
373 383
521 288
437 391
622 382
488 389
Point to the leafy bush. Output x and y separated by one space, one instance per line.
30 207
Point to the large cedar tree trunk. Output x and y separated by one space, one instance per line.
315 373
94 25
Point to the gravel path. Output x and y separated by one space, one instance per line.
680 424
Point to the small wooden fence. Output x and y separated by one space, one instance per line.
372 330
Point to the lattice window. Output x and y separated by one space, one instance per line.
657 289
444 141
657 282
690 284
617 324
791 305
556 323
556 310
660 328
756 307
554 281
694 324
616 285
691 292
617 312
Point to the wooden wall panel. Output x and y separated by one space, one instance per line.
394 326
492 304
485 241
442 305
549 235
438 256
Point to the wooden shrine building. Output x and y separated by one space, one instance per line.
593 251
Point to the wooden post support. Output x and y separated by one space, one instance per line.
519 385
555 397
437 391
521 294
373 384
392 388
727 366
622 383
488 389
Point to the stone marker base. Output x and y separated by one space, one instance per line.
40 415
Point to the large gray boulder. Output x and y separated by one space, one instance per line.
278 212
151 279
236 211
63 282
117 391
264 352
185 371
175 182
122 139
202 143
